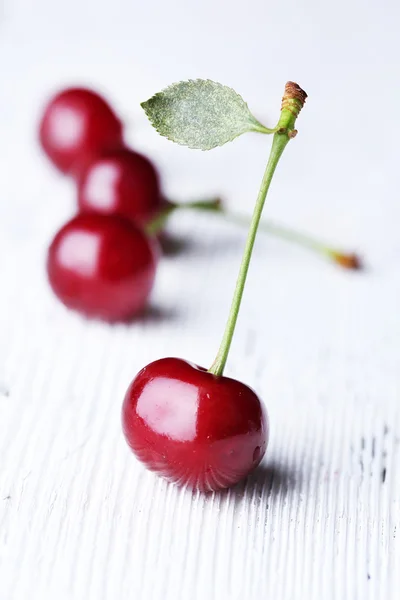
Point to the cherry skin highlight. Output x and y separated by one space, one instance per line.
78 123
192 427
120 182
102 266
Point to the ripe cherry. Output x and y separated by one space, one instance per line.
120 182
76 124
196 427
102 266
192 427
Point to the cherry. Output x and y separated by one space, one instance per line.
196 427
102 266
77 123
192 427
120 182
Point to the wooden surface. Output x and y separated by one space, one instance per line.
320 519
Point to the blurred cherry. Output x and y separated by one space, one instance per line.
121 182
76 124
102 266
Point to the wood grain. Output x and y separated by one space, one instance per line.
320 519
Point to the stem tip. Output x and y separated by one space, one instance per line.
349 261
293 98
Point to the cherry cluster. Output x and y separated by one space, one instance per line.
103 261
195 427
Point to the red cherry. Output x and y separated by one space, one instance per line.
102 266
121 182
77 123
192 427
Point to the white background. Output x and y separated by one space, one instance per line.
80 519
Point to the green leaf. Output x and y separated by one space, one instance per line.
200 114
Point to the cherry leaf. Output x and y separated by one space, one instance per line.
200 114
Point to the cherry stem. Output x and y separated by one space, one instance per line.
340 257
157 224
292 103
344 259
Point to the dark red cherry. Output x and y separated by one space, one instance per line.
121 182
192 427
102 266
76 124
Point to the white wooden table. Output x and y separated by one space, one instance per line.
80 519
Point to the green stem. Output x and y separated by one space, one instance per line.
158 223
284 132
261 129
279 143
340 257
298 237
344 259
210 205
291 235
154 226
283 232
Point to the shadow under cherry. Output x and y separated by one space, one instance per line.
154 314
